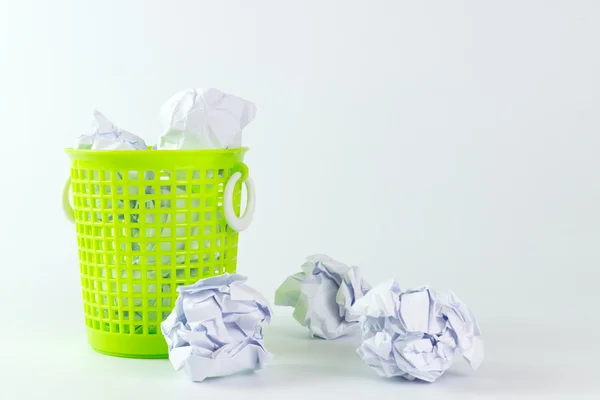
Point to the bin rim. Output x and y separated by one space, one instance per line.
152 155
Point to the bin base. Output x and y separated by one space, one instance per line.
127 345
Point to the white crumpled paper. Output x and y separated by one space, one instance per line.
196 119
415 333
322 296
106 136
215 328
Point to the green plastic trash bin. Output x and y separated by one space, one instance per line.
147 222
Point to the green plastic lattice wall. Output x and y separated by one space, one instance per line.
147 222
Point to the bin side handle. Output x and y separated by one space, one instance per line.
66 204
239 223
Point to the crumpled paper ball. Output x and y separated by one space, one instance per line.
215 328
105 135
415 333
195 119
322 295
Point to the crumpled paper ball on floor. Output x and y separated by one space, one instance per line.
215 328
415 333
322 295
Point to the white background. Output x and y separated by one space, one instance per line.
450 143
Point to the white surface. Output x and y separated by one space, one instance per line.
303 368
483 114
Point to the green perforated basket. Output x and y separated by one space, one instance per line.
147 222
